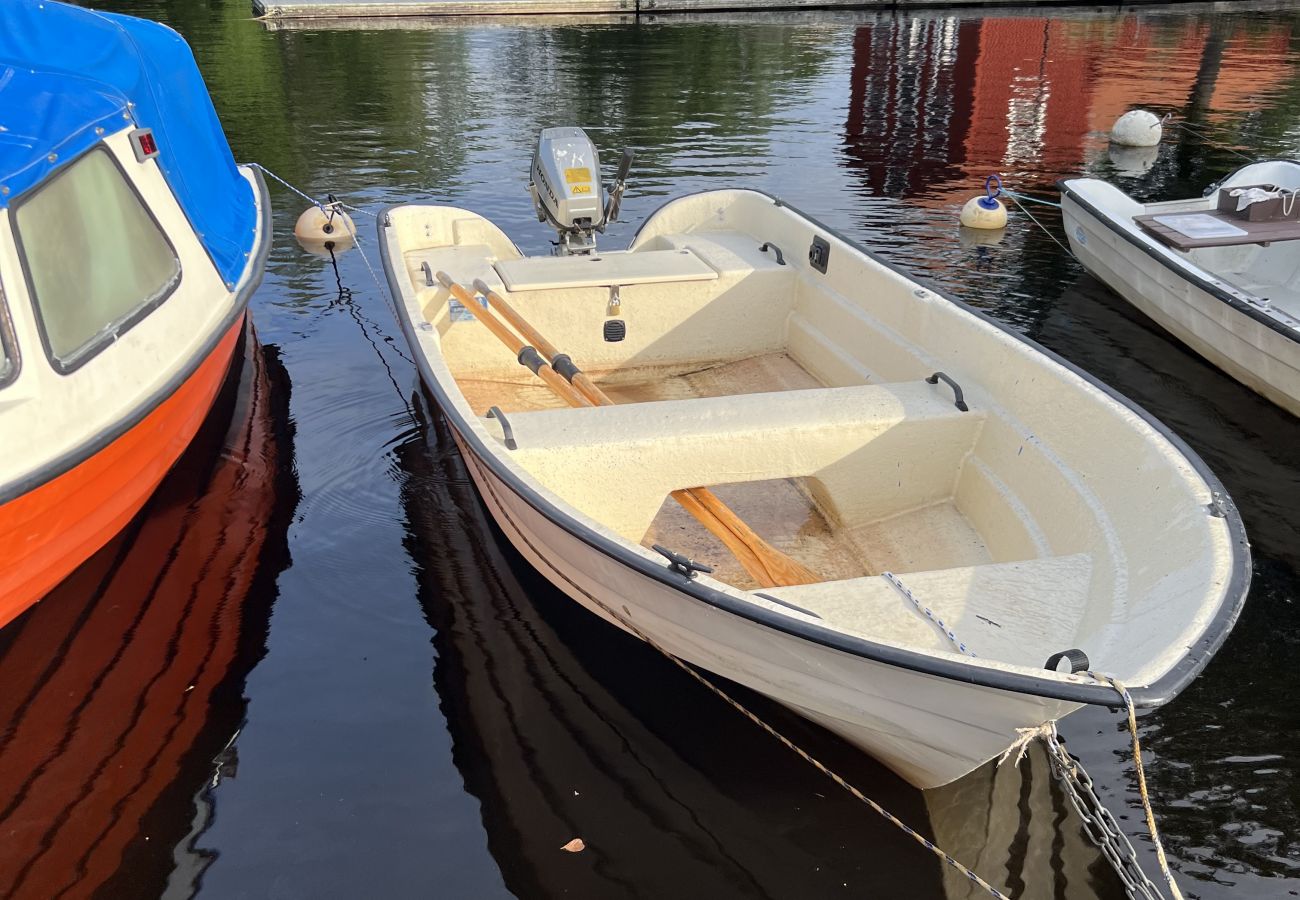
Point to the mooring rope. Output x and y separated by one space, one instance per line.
627 623
1015 198
1030 198
308 197
1142 780
1212 141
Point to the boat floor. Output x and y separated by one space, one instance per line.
752 375
784 513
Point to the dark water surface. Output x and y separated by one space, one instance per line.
313 668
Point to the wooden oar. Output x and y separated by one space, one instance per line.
561 362
527 355
765 564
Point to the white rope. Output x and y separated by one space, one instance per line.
1027 736
927 612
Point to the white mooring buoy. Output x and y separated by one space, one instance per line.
318 225
1137 128
987 211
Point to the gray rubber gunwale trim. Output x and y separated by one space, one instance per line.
1152 249
69 460
1160 692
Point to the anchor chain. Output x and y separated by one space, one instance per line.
1098 822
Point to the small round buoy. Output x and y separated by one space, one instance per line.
1133 160
986 211
330 223
1137 128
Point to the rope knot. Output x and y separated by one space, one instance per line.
1046 731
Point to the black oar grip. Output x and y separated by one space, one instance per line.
528 356
564 365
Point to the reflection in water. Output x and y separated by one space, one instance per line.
564 726
358 777
122 686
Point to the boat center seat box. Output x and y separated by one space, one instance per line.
875 449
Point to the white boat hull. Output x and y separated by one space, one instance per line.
1166 288
1020 509
929 730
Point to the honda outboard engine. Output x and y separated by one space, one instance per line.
567 190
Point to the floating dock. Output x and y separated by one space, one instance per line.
279 10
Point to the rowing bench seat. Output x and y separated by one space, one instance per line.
876 450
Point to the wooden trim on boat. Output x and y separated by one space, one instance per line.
89 448
1158 693
1186 272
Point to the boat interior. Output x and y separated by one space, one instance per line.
802 400
1270 271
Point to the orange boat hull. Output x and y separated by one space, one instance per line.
53 528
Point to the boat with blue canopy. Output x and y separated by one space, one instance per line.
130 244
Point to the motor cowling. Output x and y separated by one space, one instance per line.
567 190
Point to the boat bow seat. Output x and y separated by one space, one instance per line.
1014 612
871 451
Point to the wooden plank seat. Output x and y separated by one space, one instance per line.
1253 232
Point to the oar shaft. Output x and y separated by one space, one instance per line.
526 354
561 362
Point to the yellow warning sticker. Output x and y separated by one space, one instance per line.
580 189
578 175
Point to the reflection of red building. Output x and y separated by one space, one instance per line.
910 81
938 102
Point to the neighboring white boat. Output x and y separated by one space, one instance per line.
1236 304
760 354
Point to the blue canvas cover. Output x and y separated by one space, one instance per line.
66 71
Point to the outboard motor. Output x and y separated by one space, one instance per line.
567 190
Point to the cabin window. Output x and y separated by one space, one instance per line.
96 260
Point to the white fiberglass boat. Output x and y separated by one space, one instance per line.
910 459
1227 287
